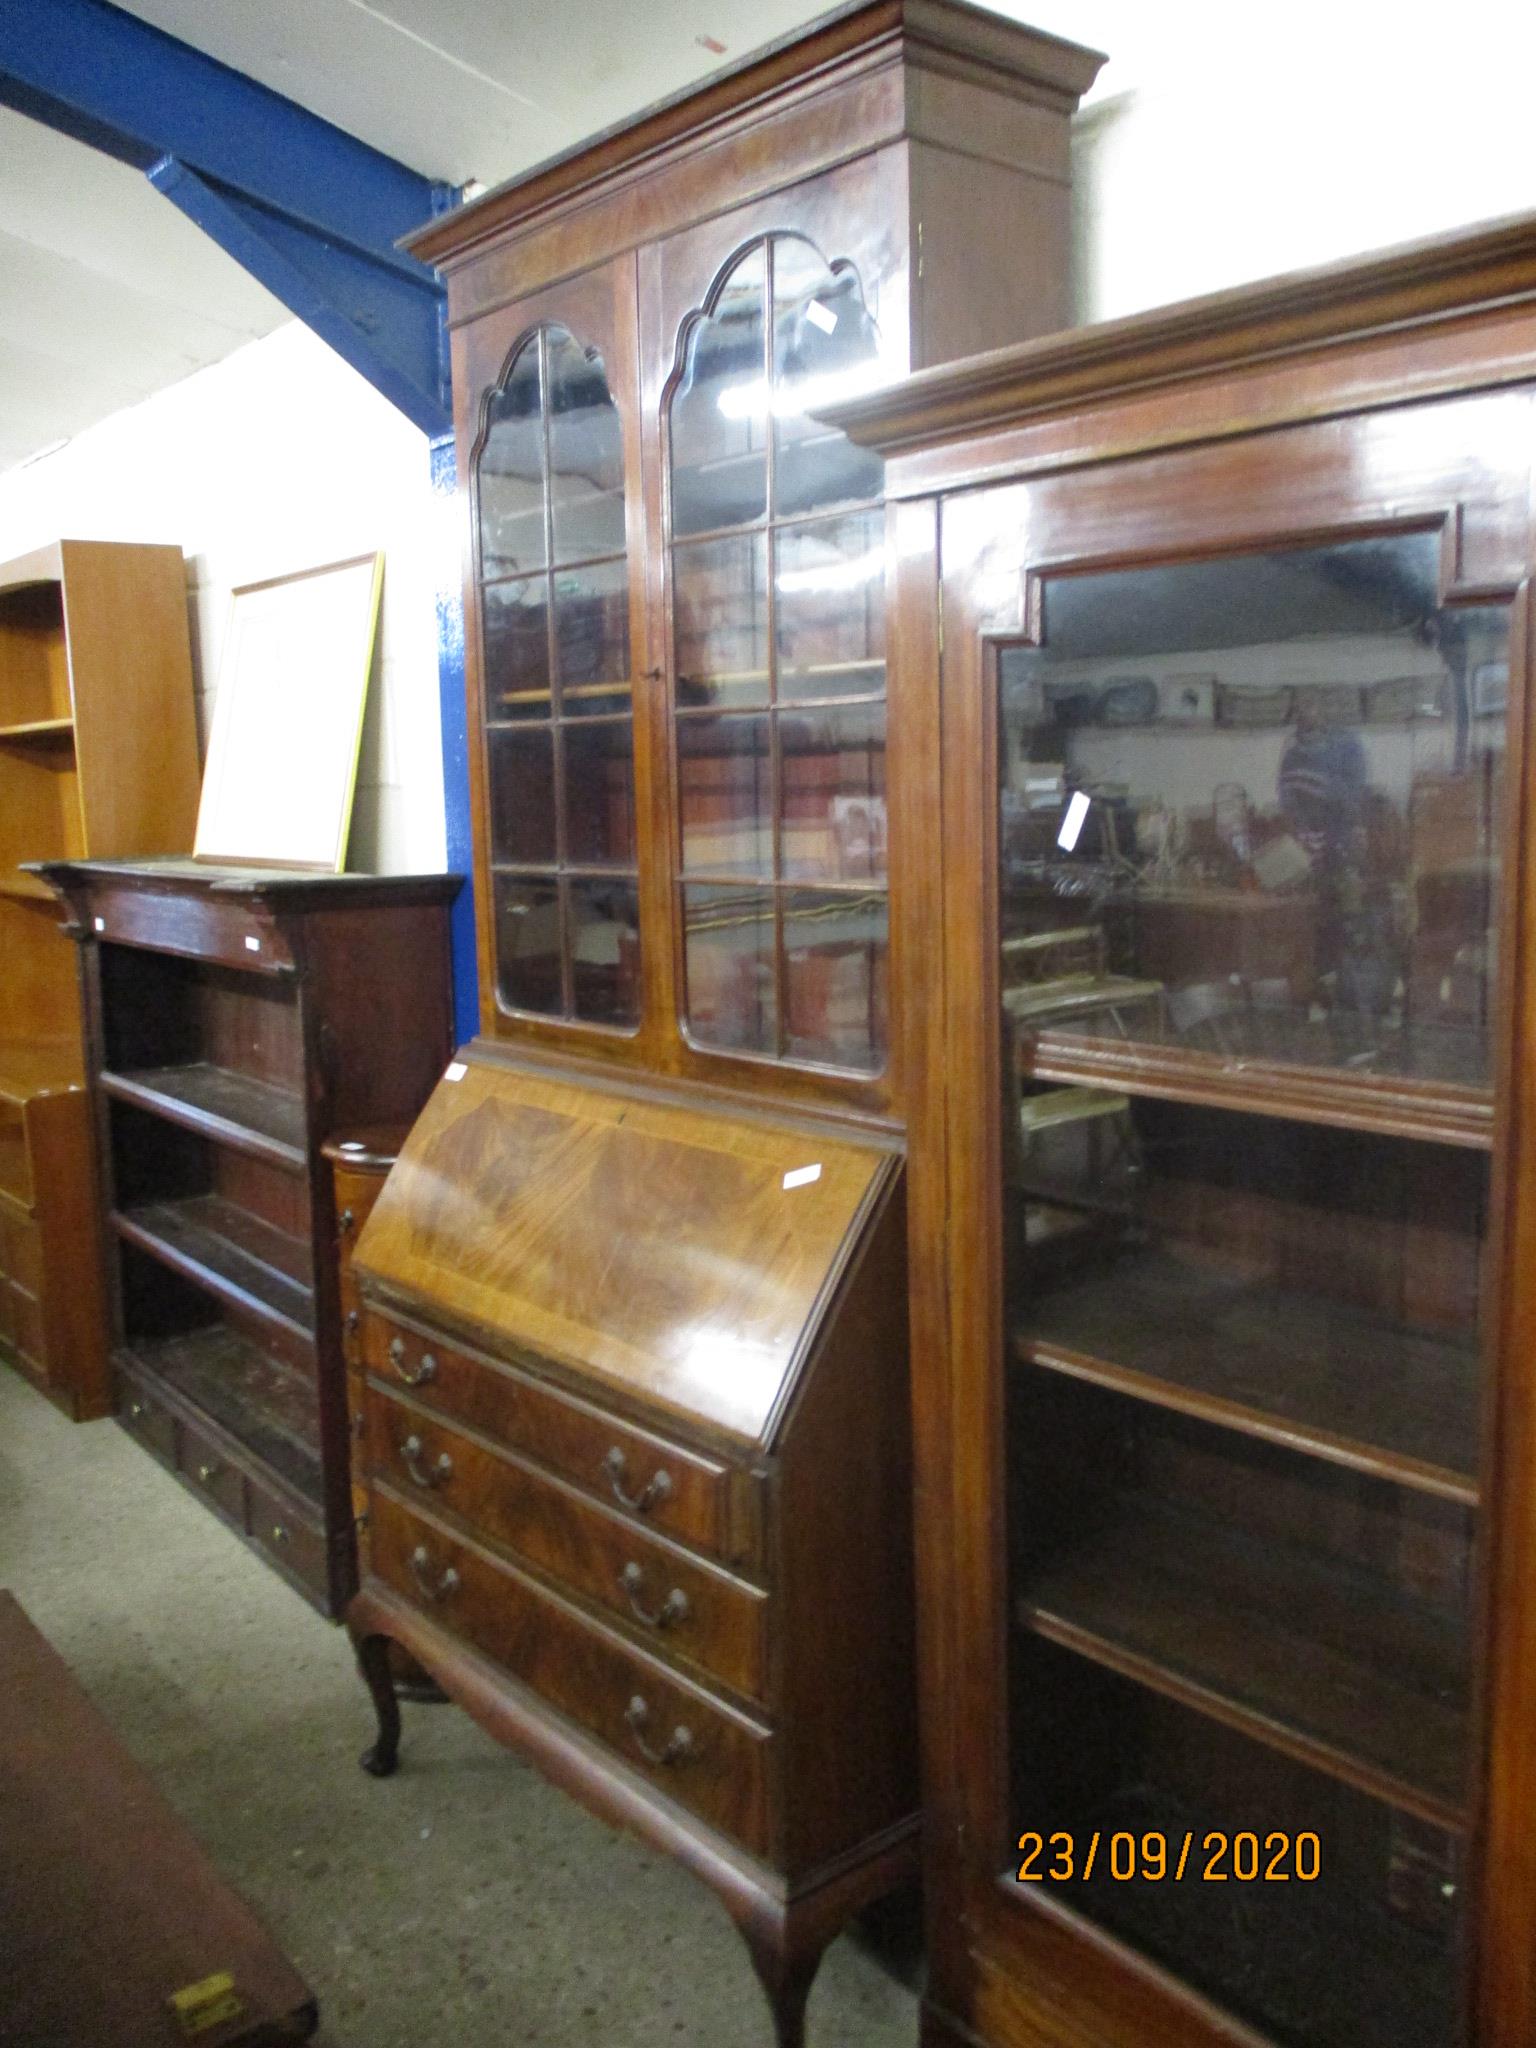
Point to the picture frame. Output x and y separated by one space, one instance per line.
288 718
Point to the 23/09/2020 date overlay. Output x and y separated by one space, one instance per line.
1215 1858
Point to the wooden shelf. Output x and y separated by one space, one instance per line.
1254 1637
237 1257
1316 1376
39 732
261 1402
232 1109
1446 1112
1267 1951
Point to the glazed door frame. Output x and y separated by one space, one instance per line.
598 308
854 213
1022 1969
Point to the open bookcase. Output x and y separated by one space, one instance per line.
238 1017
98 756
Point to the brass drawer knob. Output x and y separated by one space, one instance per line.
657 1489
426 1368
412 1451
208 1473
279 1532
346 1221
136 1411
679 1746
440 1588
673 1609
353 1319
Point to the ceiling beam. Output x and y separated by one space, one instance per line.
310 211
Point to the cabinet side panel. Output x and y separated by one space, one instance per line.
847 1683
991 254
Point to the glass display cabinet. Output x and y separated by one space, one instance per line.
1222 1289
636 1443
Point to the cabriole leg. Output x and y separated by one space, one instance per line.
373 1661
787 1978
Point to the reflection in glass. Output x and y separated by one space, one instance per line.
1258 800
725 794
560 772
516 628
522 796
586 455
600 793
592 636
829 607
832 782
528 944
729 944
509 475
720 608
835 993
825 348
788 612
605 951
720 410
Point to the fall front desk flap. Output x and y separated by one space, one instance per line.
677 1254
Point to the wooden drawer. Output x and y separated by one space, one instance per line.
293 1539
209 1470
144 1417
701 1752
21 1254
656 1483
688 1609
356 1194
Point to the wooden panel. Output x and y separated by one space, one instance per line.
125 616
694 1748
528 1208
108 1903
699 1501
688 1609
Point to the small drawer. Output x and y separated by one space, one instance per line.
21 1254
211 1475
701 1752
683 1607
658 1484
143 1416
356 1194
293 1539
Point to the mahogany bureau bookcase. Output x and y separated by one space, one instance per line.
98 756
636 1424
1221 1169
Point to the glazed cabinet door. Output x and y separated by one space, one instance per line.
556 651
1233 762
770 595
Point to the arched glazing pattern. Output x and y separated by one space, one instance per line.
778 599
559 716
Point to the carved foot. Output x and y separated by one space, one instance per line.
374 1663
787 1980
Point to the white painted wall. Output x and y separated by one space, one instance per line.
1226 142
279 457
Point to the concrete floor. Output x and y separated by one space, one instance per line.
463 1901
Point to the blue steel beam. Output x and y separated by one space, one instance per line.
309 210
